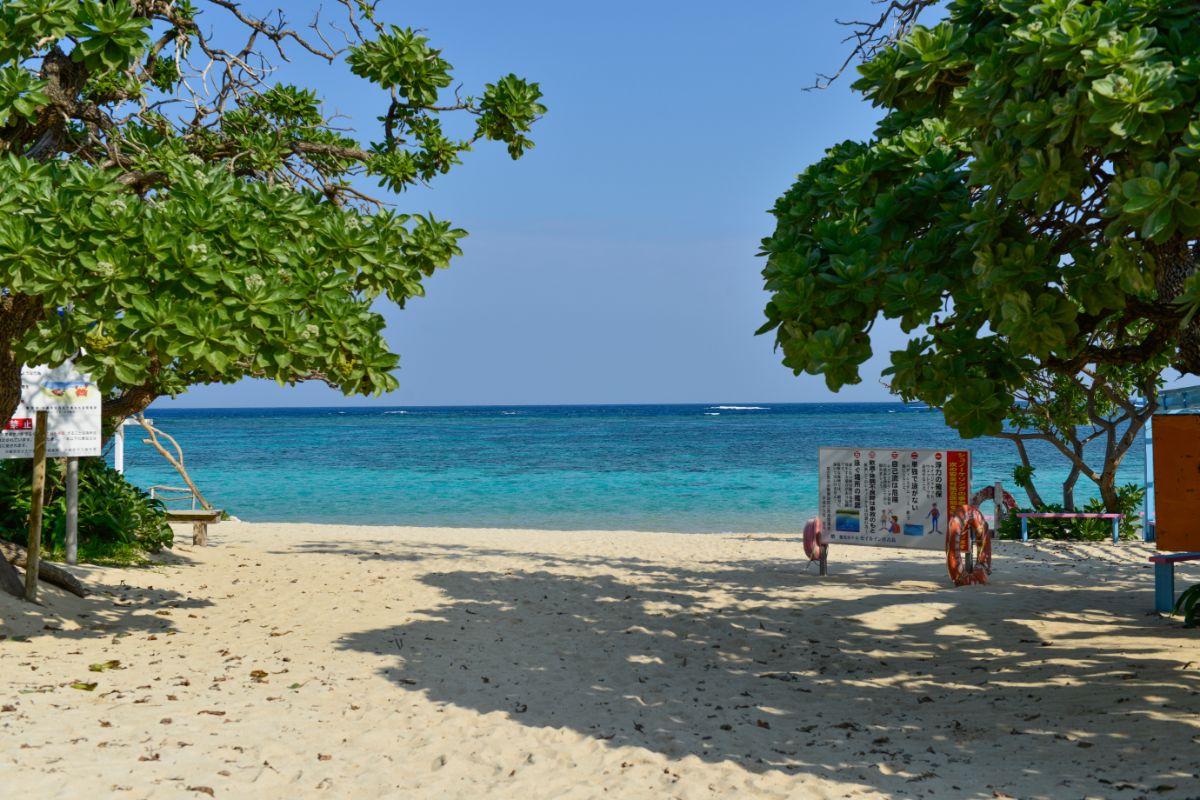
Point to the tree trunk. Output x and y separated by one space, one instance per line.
1175 261
10 579
1035 499
18 313
129 403
1108 492
1069 490
15 554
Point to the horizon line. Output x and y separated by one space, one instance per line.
746 404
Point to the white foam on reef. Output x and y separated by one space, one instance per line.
395 412
712 413
742 408
508 413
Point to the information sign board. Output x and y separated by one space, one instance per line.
889 497
72 404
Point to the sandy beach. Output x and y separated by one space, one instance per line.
303 660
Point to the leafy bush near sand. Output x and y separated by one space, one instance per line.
1188 604
117 520
1130 497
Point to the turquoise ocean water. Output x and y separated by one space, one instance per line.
695 468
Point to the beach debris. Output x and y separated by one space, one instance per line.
258 676
324 757
83 686
203 790
102 667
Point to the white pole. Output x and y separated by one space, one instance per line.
1148 533
119 449
72 510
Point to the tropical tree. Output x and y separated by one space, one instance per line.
1028 208
175 213
1106 408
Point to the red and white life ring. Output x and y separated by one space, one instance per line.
812 539
968 547
989 493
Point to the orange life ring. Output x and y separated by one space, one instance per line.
989 493
968 547
812 539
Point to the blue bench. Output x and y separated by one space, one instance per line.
1164 578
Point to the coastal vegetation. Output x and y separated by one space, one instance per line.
177 212
1030 203
1028 209
118 522
1101 408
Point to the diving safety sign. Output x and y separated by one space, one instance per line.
72 404
890 497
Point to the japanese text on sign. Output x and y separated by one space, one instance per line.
891 497
72 405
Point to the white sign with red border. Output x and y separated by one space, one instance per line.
891 497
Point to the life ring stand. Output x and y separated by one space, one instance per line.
968 547
989 493
814 545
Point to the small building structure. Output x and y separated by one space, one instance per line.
1173 471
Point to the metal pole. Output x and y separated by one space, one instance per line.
119 449
72 510
1116 529
1148 498
34 553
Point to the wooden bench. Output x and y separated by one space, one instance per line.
1164 578
200 518
1116 520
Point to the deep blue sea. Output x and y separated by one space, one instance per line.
695 468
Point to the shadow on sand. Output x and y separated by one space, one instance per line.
758 662
110 609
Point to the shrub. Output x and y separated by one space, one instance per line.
1188 604
117 520
1129 497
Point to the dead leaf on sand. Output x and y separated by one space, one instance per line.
83 687
107 665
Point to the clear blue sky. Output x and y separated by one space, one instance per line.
616 263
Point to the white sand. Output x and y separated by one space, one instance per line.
456 663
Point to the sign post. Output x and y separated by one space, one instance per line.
58 417
72 511
33 552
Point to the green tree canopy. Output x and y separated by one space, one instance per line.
1029 205
175 213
